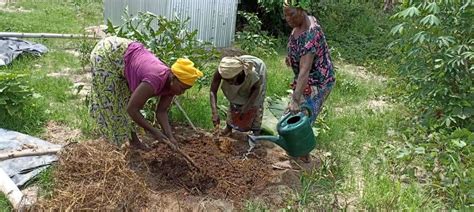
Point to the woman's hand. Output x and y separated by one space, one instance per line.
294 107
173 141
216 81
158 135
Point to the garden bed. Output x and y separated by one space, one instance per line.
96 174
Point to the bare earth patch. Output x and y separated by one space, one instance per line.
374 105
377 105
5 7
96 30
73 52
361 73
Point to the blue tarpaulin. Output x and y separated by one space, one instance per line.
22 169
10 48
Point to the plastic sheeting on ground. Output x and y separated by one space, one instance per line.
274 108
10 48
22 169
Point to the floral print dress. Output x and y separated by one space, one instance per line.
110 93
321 76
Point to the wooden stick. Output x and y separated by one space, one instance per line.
184 113
8 187
46 35
28 152
186 156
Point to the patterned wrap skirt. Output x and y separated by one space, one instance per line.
314 97
110 93
252 119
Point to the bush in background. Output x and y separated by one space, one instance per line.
19 109
357 31
253 39
167 39
434 49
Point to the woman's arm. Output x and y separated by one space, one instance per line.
216 81
162 116
305 66
142 93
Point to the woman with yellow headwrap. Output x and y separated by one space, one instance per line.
243 82
125 75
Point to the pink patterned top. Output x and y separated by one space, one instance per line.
143 66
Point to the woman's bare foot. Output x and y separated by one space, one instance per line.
137 144
227 131
306 158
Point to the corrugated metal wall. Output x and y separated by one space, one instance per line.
214 19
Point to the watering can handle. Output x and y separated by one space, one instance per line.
301 113
308 109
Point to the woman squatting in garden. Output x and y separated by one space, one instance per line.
243 82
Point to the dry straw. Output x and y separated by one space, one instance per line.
95 175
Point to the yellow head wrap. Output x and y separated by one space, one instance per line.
185 71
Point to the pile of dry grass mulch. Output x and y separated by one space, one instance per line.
95 175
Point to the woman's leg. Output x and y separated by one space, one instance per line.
227 130
135 142
110 93
316 101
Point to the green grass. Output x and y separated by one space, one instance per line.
73 15
57 100
4 204
355 171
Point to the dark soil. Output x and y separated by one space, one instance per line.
225 173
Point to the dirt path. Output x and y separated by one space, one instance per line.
360 116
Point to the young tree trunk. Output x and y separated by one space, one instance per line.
28 152
8 187
388 5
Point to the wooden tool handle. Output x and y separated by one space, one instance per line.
186 156
28 152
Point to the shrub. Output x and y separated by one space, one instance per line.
356 31
435 51
19 109
253 40
14 93
167 39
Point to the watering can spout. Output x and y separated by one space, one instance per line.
278 140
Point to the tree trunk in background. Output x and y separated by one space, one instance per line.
388 5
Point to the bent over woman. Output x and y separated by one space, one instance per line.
124 76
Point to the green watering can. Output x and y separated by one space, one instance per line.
295 134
